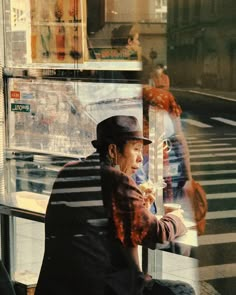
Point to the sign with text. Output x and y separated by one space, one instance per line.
20 107
15 94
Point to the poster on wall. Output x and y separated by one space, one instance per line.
57 31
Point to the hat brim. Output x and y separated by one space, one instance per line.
145 140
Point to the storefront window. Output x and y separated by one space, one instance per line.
68 34
67 65
51 122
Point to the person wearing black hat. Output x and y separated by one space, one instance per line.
96 218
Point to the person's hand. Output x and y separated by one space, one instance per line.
178 213
188 188
148 192
149 198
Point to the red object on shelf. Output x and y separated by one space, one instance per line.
60 43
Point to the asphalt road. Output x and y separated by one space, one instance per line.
210 128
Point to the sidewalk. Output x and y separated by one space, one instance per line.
226 95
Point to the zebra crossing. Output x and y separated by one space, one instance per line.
213 164
200 124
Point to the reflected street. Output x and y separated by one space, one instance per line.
210 128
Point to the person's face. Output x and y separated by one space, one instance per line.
159 71
135 41
131 157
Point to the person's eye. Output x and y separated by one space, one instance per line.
138 148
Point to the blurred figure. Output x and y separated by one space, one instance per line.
127 36
125 42
159 78
175 148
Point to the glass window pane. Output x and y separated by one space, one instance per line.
28 250
51 123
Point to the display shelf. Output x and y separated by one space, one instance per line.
99 65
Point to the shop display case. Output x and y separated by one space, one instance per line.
54 34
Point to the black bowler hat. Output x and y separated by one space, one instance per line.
116 128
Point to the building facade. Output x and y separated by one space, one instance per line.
202 43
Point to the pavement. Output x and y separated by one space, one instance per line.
225 95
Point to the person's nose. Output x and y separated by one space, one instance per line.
140 157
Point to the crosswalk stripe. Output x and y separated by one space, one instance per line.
214 150
221 196
217 172
197 141
208 144
223 120
216 147
218 181
196 123
200 135
217 239
213 155
212 163
212 272
221 214
222 138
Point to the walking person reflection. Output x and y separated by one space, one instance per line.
159 79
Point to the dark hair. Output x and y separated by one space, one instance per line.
103 149
160 66
121 35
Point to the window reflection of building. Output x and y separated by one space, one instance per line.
196 33
185 9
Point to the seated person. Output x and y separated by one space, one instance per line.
96 218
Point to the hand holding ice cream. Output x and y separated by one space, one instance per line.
148 190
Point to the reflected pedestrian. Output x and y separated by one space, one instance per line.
159 79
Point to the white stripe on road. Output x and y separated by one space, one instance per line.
223 138
213 150
197 141
217 271
213 155
217 239
218 181
226 121
221 214
93 203
78 179
77 190
204 135
216 172
212 163
221 196
191 138
209 144
196 123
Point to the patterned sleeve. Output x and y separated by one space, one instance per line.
134 223
162 100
